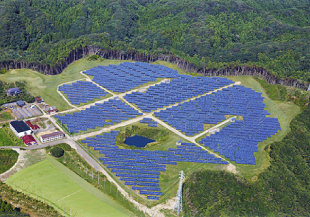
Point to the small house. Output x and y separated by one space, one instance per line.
13 91
51 109
29 140
33 127
20 103
38 99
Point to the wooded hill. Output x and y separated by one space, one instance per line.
47 35
282 190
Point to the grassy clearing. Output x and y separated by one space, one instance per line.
50 181
5 116
46 85
8 138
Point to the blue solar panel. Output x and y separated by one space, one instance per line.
82 92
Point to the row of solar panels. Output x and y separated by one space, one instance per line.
140 168
182 88
82 92
126 76
99 115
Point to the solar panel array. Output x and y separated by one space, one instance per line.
141 168
182 88
82 91
126 76
149 121
238 141
100 115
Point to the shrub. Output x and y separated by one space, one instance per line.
93 57
57 152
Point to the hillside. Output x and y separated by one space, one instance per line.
283 189
48 35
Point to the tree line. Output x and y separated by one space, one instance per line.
212 34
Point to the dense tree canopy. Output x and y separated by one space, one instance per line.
213 33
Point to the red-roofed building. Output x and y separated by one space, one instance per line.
29 140
38 99
33 127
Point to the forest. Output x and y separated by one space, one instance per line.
42 34
7 159
282 190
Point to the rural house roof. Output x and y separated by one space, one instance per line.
20 103
13 90
51 135
28 139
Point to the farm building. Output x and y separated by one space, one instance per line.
11 104
20 103
52 136
29 140
38 99
13 91
33 127
51 109
20 128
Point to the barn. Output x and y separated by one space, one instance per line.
20 128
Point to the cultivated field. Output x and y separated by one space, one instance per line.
50 181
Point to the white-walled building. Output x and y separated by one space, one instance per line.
52 136
20 128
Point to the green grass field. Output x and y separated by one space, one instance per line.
5 116
8 138
46 85
50 181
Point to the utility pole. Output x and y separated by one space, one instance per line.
178 202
